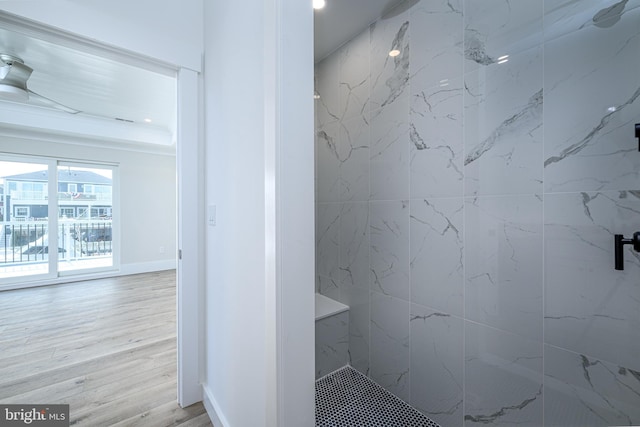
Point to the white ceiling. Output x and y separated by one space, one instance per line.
341 20
95 85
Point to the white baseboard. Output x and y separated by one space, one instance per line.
213 409
147 267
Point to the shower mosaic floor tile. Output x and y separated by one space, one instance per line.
347 398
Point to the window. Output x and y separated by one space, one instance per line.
82 231
21 212
67 212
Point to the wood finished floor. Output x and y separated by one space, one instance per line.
106 347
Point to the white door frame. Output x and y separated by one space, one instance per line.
189 239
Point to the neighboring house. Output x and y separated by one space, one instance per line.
81 194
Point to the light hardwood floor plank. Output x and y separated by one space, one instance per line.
106 347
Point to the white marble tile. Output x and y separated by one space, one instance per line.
328 287
437 267
332 343
354 244
436 43
328 183
390 248
354 76
503 126
389 151
437 365
354 155
503 378
564 16
494 28
359 302
390 344
327 87
503 263
328 242
592 100
436 140
581 391
389 75
590 308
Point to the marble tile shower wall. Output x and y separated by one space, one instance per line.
466 203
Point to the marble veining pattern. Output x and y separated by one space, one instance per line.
503 263
389 250
328 241
532 110
468 191
389 75
354 244
589 307
332 343
437 255
437 365
354 77
435 134
359 302
390 342
436 44
389 153
566 16
503 107
592 147
328 183
353 155
583 391
511 368
593 133
494 28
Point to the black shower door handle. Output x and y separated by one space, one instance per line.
619 242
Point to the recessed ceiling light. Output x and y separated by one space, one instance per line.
148 120
503 59
394 53
318 4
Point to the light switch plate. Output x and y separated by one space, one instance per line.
211 215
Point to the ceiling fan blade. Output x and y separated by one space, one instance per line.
14 73
44 101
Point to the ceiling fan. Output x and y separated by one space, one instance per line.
13 84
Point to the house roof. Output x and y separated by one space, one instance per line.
73 176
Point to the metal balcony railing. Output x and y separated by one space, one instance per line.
17 196
28 241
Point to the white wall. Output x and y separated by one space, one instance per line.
259 130
147 197
235 342
171 32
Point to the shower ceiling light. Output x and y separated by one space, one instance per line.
503 59
318 4
394 53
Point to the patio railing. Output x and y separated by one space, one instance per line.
28 241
